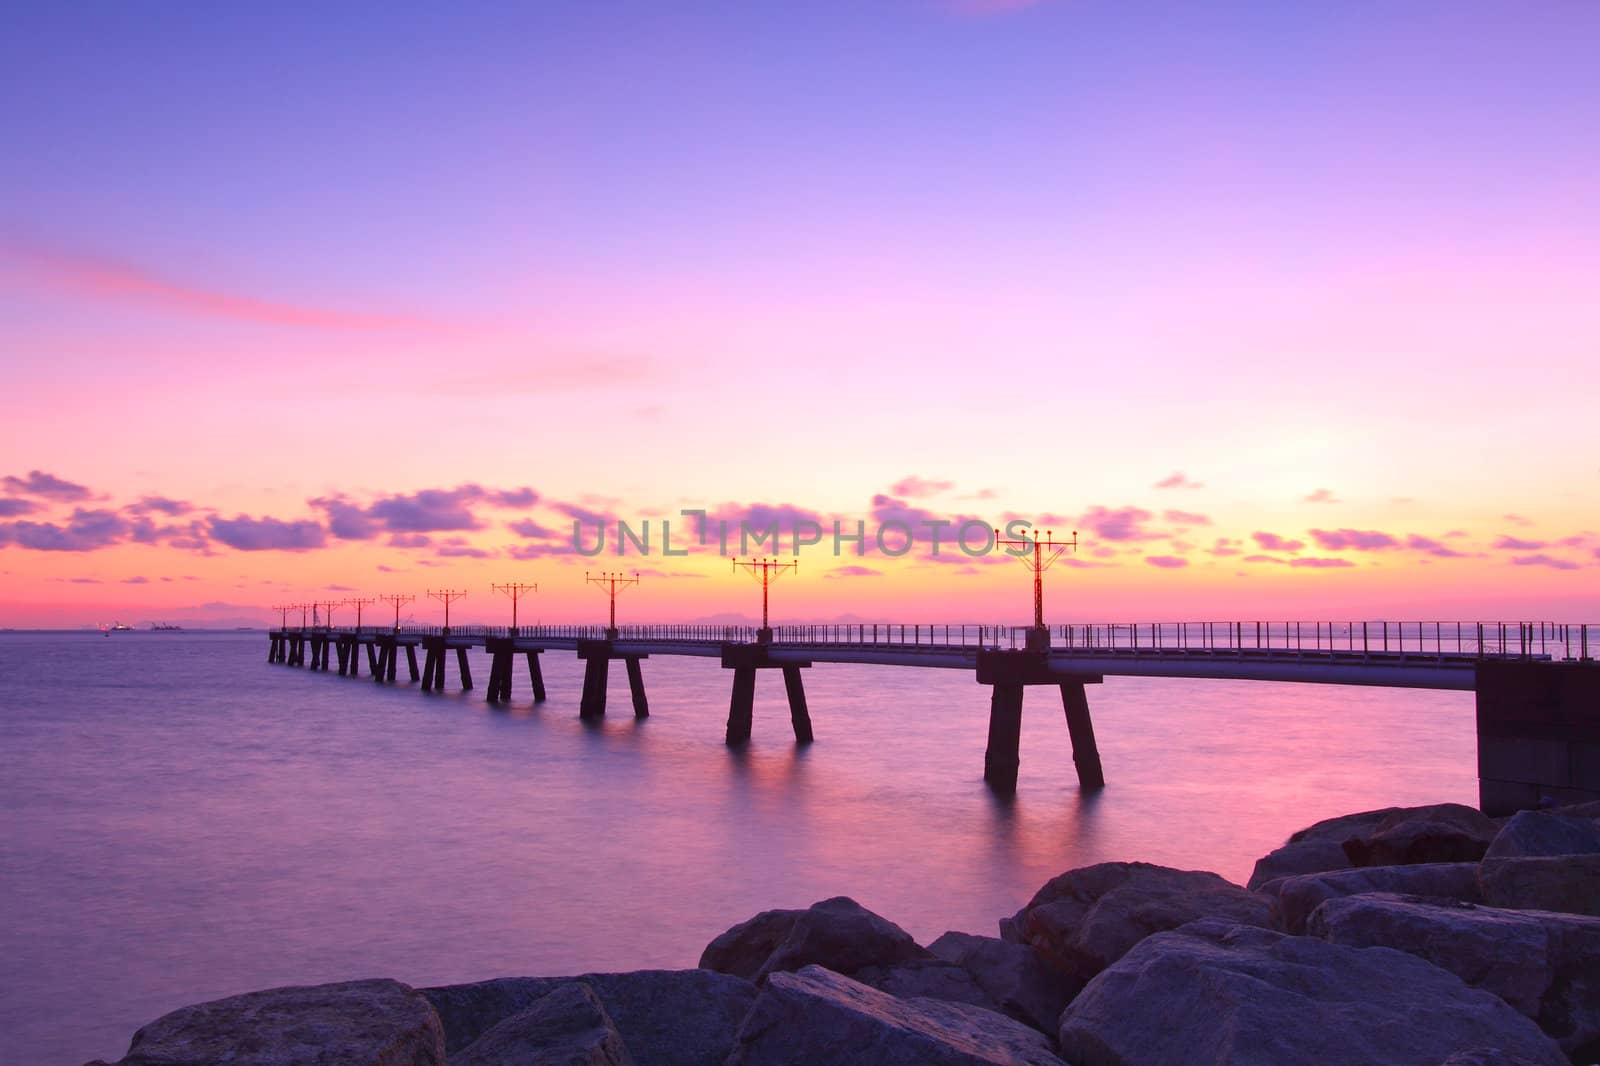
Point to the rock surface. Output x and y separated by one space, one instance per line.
1443 832
356 1023
1569 883
838 933
1545 833
1218 993
1086 919
1299 896
1014 978
927 979
1545 965
565 1027
670 1017
816 1015
1315 848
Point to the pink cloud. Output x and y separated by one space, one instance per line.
915 486
101 277
1544 560
1186 518
1517 544
45 486
1274 543
1124 523
1178 480
1166 562
1321 496
1320 564
1353 539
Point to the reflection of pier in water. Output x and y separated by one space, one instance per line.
1537 683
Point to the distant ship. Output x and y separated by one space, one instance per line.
166 627
115 627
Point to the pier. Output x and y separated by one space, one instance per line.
1537 684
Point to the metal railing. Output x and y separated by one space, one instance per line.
1329 639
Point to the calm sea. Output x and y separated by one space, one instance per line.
183 821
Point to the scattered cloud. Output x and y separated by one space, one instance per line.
1517 520
1544 560
1314 563
136 580
1353 539
1178 480
527 527
160 505
410 540
13 508
1225 546
1320 496
1262 559
84 531
1432 547
461 551
103 277
917 487
853 571
243 533
1274 543
1186 518
1166 562
1516 544
1124 523
46 487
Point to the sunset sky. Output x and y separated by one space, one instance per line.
1288 309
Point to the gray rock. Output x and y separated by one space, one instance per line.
566 1027
1218 993
1545 833
745 948
1299 896
1315 848
1486 1056
838 933
1443 832
1013 976
816 1015
360 1023
1086 919
1545 965
666 1017
1567 883
468 1011
927 979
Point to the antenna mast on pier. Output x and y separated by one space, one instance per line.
612 581
358 603
327 611
283 610
446 597
398 601
303 608
1045 553
765 571
515 590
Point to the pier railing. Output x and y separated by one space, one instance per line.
1438 639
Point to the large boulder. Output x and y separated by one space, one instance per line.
1443 832
1545 965
816 1015
1545 833
1219 993
927 979
1568 883
1299 896
1315 848
360 1023
838 933
670 1017
1086 919
1013 976
566 1027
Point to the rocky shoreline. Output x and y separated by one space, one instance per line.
1424 935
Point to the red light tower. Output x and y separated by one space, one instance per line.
446 597
612 582
765 571
398 601
358 603
514 590
1045 553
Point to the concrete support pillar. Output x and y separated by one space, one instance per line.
641 709
1003 755
535 677
372 661
466 670
799 714
394 655
595 671
741 707
1085 755
411 662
